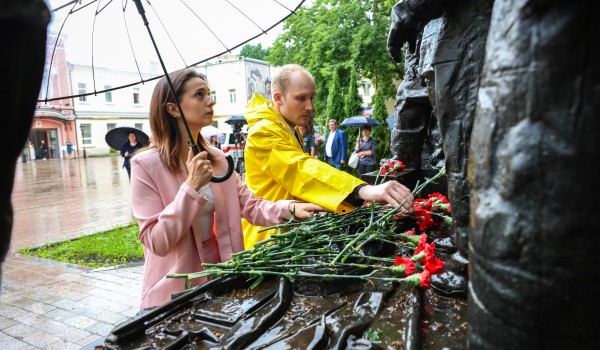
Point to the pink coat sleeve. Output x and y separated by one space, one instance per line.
259 211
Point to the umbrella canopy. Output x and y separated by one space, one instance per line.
236 119
359 120
117 137
210 131
129 36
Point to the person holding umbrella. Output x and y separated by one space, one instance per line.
128 150
184 218
366 148
278 168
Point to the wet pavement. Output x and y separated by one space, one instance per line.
49 305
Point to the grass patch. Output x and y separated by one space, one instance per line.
103 249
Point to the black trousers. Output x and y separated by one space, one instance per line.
362 169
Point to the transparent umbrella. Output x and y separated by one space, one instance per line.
152 39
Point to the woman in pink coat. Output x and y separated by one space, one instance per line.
184 219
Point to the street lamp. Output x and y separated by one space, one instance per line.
82 127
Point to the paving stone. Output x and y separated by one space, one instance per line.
38 296
63 345
11 343
40 338
80 322
100 328
6 322
110 317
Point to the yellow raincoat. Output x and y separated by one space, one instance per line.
277 167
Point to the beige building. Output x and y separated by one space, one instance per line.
232 79
98 114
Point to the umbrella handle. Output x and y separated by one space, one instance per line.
230 166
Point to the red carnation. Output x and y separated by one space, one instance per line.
404 266
434 265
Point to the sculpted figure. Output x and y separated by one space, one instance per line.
534 239
453 81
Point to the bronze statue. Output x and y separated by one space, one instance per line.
534 150
452 81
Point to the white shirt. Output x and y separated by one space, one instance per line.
206 216
329 143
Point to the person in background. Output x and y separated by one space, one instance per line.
31 151
214 141
184 219
336 144
128 150
43 150
278 168
69 149
307 141
366 148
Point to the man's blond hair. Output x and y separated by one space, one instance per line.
282 79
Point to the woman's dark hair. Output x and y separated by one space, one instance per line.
165 131
366 127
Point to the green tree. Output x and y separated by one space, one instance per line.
335 101
339 36
381 133
352 99
254 51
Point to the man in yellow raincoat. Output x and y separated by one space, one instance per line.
277 167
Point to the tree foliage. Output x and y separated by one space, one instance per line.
352 99
339 36
254 51
335 102
381 133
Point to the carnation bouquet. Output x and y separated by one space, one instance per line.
326 246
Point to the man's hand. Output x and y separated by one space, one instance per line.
303 211
391 192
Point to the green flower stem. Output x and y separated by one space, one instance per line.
294 274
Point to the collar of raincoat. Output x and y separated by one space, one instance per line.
258 100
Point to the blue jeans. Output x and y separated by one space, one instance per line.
331 162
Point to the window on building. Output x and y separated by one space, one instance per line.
136 96
139 126
86 134
82 90
232 97
110 126
213 95
108 94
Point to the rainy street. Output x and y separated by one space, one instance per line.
50 305
63 198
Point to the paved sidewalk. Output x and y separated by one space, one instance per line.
48 305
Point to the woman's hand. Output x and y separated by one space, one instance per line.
199 170
303 211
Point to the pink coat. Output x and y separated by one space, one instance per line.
166 209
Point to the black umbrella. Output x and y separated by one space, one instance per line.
360 120
236 119
118 137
